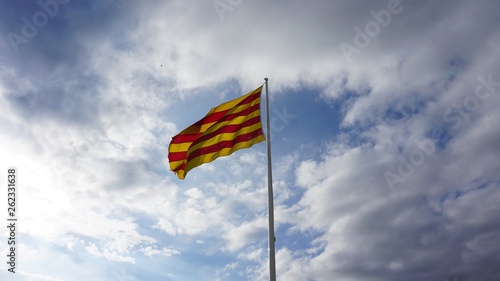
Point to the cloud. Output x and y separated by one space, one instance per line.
167 252
246 233
89 105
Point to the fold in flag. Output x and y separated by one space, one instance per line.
227 128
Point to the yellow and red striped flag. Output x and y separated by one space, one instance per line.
227 128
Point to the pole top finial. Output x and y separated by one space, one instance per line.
265 79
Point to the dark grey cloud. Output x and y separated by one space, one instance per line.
55 58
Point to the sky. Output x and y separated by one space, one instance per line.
384 127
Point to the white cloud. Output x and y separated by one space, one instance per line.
87 118
246 233
167 252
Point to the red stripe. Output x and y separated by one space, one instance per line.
245 112
176 156
214 117
181 167
181 138
220 116
180 155
224 144
227 129
210 118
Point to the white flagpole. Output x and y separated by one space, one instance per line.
272 259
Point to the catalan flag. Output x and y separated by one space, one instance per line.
227 128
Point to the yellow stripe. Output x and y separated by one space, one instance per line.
207 158
235 121
237 109
176 164
178 147
181 174
233 103
232 107
190 130
224 137
240 108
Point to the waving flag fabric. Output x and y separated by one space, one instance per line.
227 128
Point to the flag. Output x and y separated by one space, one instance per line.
227 128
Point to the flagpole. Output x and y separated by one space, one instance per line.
272 258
